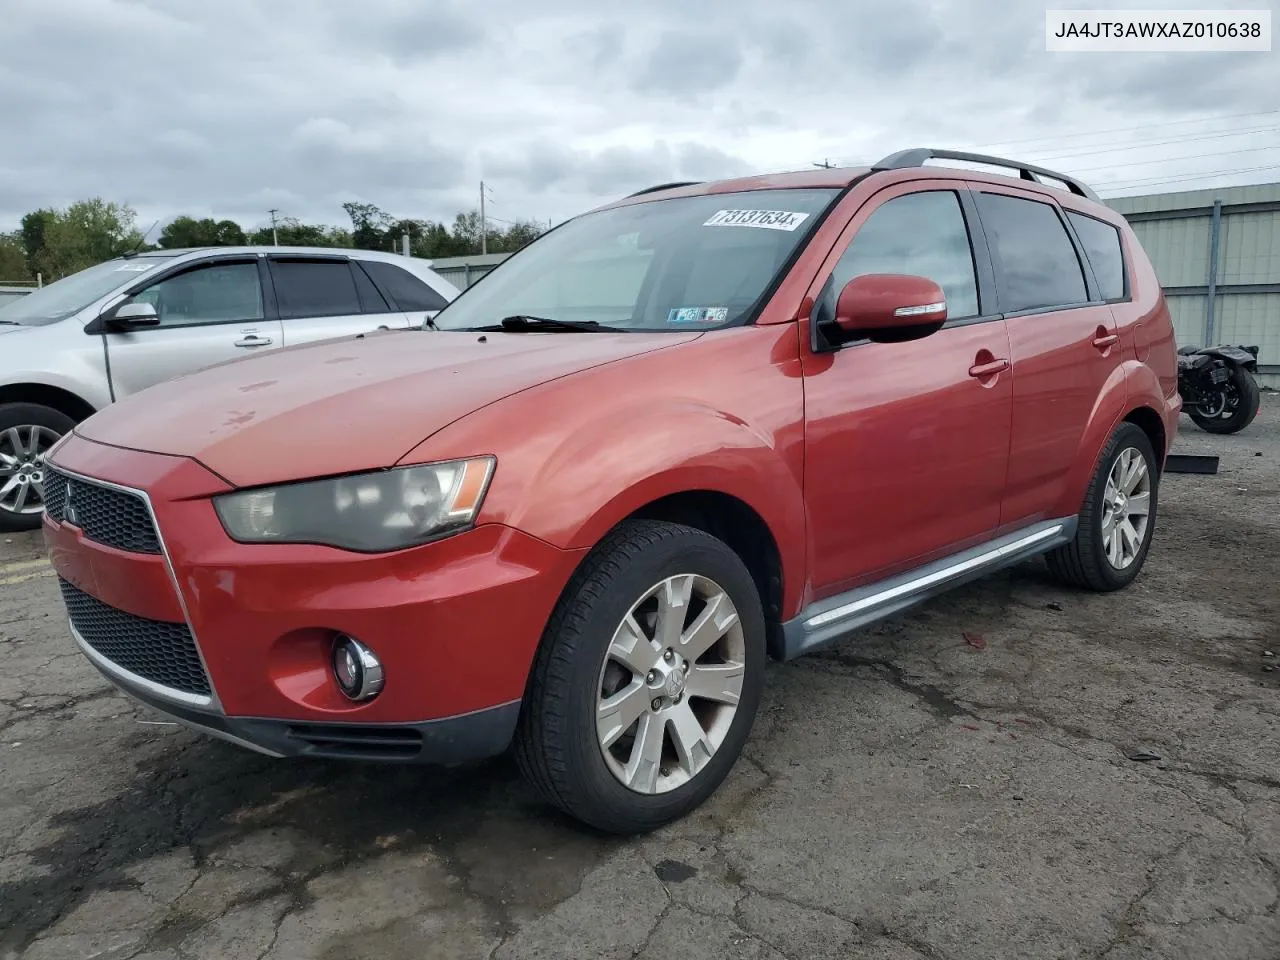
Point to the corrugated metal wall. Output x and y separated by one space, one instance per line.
1176 230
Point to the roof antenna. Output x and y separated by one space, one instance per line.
141 240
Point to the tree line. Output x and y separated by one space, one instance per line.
55 243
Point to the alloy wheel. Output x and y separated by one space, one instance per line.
1126 508
22 452
670 684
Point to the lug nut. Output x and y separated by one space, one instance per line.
667 656
685 666
651 677
657 703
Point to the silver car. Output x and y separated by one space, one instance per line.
77 345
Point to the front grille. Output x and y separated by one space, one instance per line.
164 653
105 514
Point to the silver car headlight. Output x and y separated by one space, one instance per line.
368 512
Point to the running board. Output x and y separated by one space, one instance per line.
820 623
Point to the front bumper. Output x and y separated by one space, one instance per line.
235 639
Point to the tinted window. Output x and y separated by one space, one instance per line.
371 301
219 293
1102 246
922 234
315 288
1038 263
408 292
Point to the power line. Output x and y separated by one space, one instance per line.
1114 146
1164 160
1156 143
1149 126
1129 184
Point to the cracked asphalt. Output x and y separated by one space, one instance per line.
908 794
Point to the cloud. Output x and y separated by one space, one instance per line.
228 109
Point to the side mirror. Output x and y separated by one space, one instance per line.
130 315
889 302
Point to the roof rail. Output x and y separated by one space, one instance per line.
916 157
662 186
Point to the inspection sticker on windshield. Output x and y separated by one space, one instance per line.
697 316
767 219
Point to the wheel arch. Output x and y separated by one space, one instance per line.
56 398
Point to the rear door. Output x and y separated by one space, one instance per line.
1063 343
327 296
210 311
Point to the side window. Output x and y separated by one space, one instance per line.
922 234
371 301
1102 246
217 293
1037 264
408 292
314 288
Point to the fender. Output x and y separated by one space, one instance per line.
1110 407
1240 356
611 440
21 382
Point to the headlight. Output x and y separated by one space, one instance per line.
369 512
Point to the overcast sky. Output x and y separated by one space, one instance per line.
228 108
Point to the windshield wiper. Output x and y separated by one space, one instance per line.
12 323
522 321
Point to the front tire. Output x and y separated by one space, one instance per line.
1241 406
1118 517
647 681
27 431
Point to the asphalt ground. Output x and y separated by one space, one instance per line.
1083 776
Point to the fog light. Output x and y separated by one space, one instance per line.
356 668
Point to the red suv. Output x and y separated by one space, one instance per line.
700 427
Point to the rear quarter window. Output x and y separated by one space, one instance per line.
407 291
1101 242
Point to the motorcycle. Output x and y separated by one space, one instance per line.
1219 387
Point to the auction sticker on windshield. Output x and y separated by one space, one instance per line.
767 219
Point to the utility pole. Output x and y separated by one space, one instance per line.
484 224
275 237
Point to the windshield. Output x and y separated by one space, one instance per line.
680 264
72 294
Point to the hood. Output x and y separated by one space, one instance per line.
347 405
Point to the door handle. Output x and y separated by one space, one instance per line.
990 368
1105 340
253 340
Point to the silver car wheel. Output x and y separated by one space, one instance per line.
670 684
22 450
1126 508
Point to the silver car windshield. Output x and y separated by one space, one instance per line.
70 295
686 263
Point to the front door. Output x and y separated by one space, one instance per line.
1063 345
212 312
906 444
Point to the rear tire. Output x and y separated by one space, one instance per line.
1112 540
1248 397
27 430
605 731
